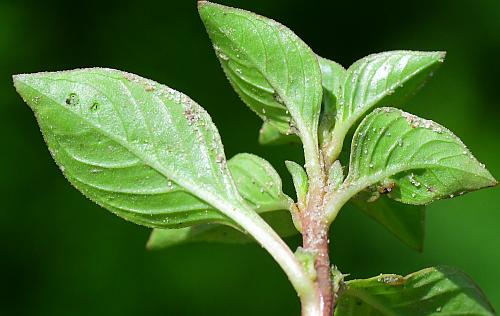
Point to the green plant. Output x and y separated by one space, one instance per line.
153 156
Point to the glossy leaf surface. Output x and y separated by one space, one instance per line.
432 291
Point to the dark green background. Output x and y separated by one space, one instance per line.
62 255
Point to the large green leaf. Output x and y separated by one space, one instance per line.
406 222
260 185
410 159
274 72
379 80
432 291
140 149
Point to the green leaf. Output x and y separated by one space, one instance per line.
274 72
270 135
139 149
432 291
410 159
333 77
335 176
300 182
379 80
406 222
260 185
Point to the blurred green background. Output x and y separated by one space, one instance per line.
62 255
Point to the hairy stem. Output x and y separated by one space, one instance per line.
315 239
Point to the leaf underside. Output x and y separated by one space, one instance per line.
271 69
432 291
139 149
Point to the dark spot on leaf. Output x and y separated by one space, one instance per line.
72 99
94 107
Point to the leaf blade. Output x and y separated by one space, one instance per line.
273 71
95 142
412 160
431 291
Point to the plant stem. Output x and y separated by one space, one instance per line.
315 228
315 240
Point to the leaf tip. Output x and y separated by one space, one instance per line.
441 55
19 78
201 3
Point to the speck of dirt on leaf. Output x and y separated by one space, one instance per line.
277 97
413 180
190 115
219 159
392 279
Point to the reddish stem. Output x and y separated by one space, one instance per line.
315 239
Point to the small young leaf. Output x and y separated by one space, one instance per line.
432 291
270 135
300 182
260 185
406 222
275 73
412 160
335 176
139 149
379 80
333 76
